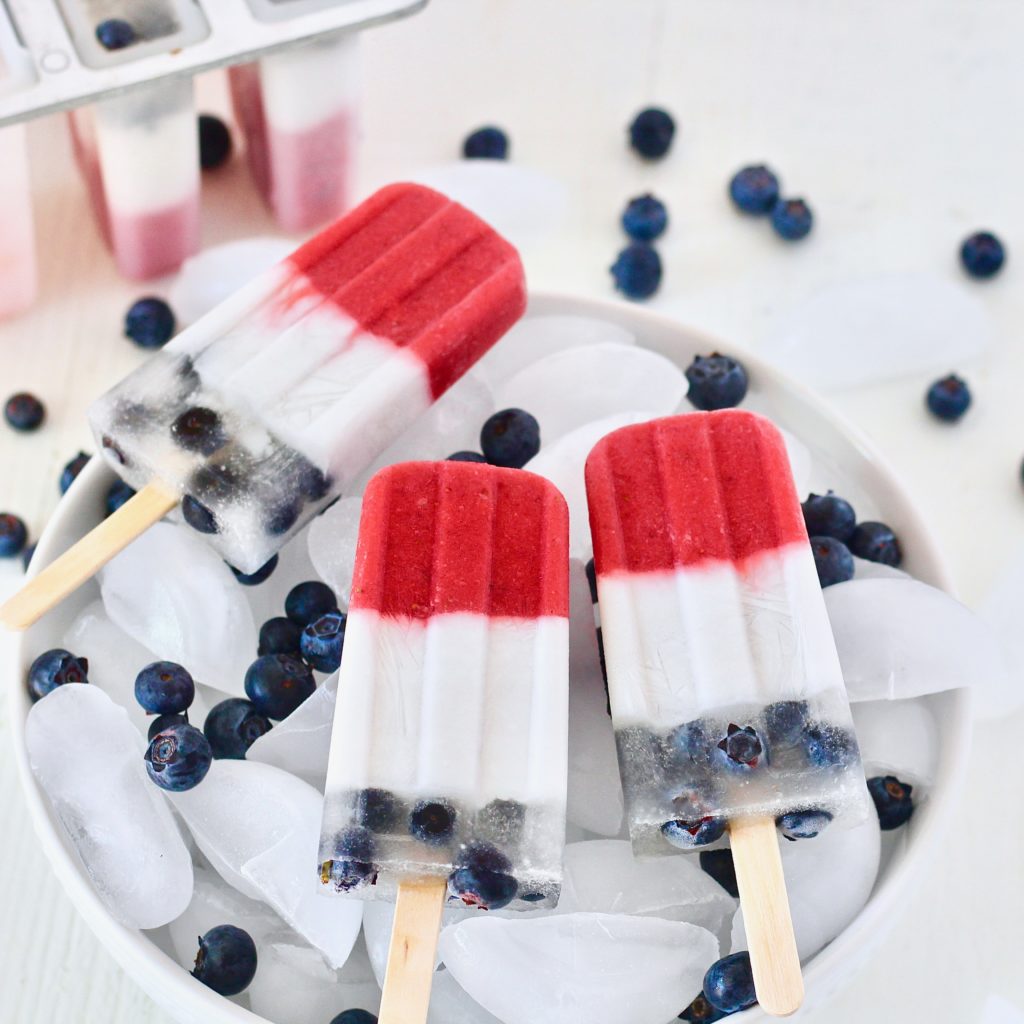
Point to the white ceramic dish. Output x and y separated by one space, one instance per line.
845 461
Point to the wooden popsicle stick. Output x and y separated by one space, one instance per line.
84 558
766 918
413 948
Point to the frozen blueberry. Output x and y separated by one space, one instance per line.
828 515
71 470
24 412
982 254
149 322
164 688
26 556
718 864
432 822
352 864
487 143
742 746
465 457
792 219
645 218
691 744
115 34
162 722
803 824
510 438
214 142
877 543
282 514
13 535
178 758
355 1016
785 721
636 271
199 430
754 189
651 133
221 476
892 801
322 641
112 451
55 668
686 834
729 983
226 961
830 747
279 636
376 809
233 726
278 683
832 559
311 481
197 515
252 579
502 818
481 877
306 602
948 399
716 382
118 493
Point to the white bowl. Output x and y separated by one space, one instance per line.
853 469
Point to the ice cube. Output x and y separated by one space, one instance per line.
170 592
87 757
378 921
900 638
449 1003
863 569
260 829
898 737
1003 694
998 1010
266 600
574 387
579 968
332 545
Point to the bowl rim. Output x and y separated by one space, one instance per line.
165 981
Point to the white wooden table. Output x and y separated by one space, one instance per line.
900 123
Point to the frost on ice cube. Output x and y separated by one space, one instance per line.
332 545
898 737
87 757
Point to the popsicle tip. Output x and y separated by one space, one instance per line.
780 997
16 613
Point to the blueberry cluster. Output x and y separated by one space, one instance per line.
755 190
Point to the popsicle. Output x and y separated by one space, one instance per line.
726 693
261 413
449 749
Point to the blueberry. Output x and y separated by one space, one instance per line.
832 559
982 254
71 470
226 961
686 834
279 636
352 864
729 983
892 801
510 438
306 602
754 189
55 668
651 133
112 451
465 457
233 726
803 824
488 143
26 556
700 1010
785 721
792 219
828 515
691 744
949 398
322 641
214 142
355 1016
282 514
277 684
636 271
716 382
162 722
199 430
118 493
830 747
178 758
742 745
432 822
502 818
222 476
376 809
645 218
13 535
877 543
197 515
481 877
252 579
311 481
115 34
164 688
149 322
718 864
24 412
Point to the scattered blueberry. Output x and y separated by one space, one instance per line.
306 602
754 189
729 983
355 1016
322 641
785 721
948 398
115 34
233 726
742 745
55 668
700 1010
24 412
26 556
651 133
376 809
691 744
13 535
279 636
687 834
277 684
352 864
481 877
118 493
162 722
832 559
718 864
792 219
252 579
828 515
488 143
70 472
645 218
197 515
636 271
892 801
149 322
432 822
510 438
829 747
465 457
877 543
803 824
164 688
226 961
716 382
178 758
982 254
214 142
199 430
